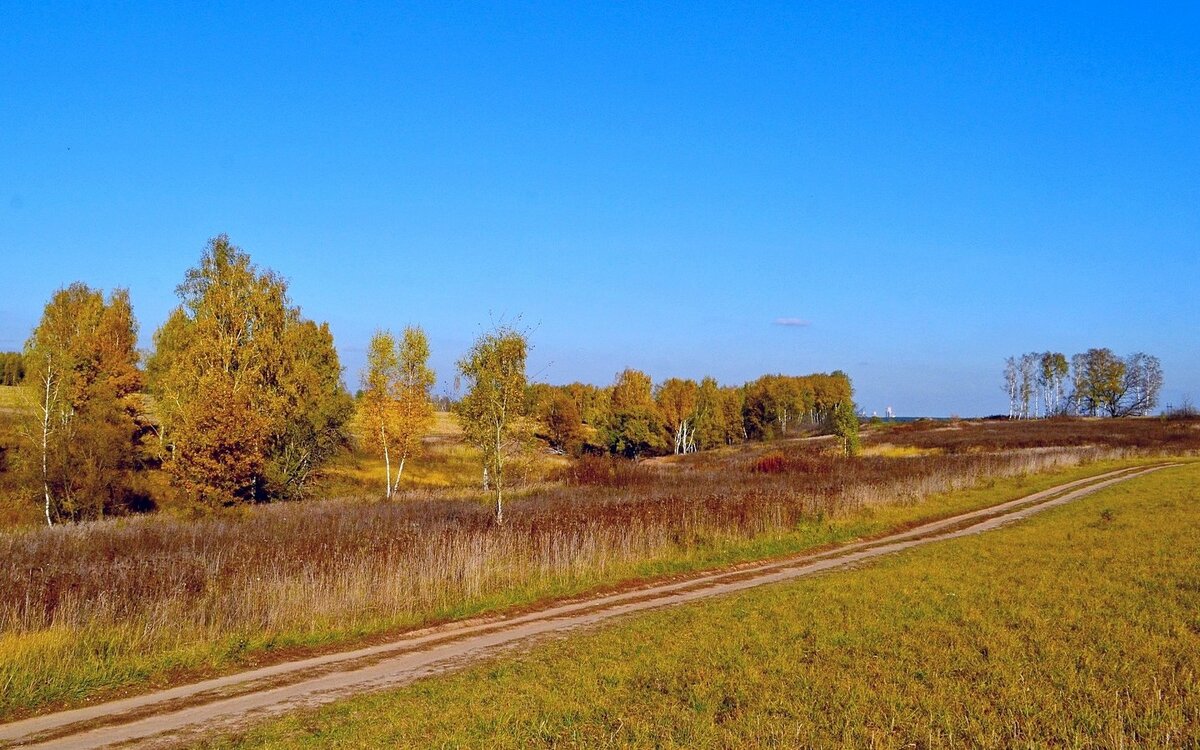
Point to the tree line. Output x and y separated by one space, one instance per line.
12 368
241 399
1101 382
633 417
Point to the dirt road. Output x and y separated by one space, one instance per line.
172 716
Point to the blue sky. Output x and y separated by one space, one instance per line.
929 188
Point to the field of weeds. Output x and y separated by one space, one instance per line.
95 607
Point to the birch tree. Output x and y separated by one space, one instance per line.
493 372
248 392
1011 385
396 409
82 366
1141 384
844 426
1052 373
676 399
1027 368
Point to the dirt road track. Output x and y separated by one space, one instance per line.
170 717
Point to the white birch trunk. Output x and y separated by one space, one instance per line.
49 380
399 473
387 465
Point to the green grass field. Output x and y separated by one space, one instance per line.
1077 628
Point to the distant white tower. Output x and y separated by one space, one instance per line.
890 414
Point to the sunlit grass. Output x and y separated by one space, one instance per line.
446 461
223 593
11 397
1076 628
888 450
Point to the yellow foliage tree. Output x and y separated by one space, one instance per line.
249 393
494 371
82 367
395 409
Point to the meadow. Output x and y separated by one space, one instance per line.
1077 628
94 608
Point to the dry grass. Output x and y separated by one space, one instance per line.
1168 435
94 606
89 607
1075 629
10 398
447 462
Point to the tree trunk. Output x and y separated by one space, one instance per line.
499 474
48 386
399 472
387 464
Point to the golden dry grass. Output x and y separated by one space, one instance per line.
1075 629
10 397
447 462
93 607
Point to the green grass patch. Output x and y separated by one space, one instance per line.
1077 628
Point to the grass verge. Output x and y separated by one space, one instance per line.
1077 628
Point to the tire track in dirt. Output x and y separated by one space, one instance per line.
171 716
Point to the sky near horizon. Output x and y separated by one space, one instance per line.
909 193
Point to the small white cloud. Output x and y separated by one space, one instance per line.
792 322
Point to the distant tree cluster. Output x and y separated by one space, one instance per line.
1101 383
635 418
12 368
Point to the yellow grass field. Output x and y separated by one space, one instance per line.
447 462
9 397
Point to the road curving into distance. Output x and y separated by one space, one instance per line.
173 716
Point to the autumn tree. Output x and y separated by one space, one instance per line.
844 426
1099 377
591 401
12 368
676 399
710 429
82 367
248 392
493 372
633 426
395 409
564 427
315 407
1052 375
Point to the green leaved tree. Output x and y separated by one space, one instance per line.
493 372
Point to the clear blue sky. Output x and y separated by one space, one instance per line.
930 189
